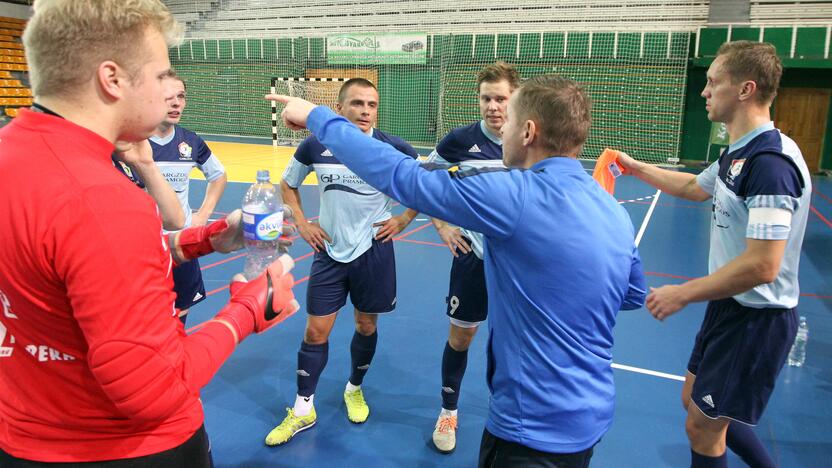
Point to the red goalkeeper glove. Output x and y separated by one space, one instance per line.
262 303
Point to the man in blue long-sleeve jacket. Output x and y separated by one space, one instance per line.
560 262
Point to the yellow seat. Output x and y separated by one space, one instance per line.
10 32
11 111
15 92
14 52
8 59
11 45
15 101
13 26
12 59
13 66
8 19
10 84
5 75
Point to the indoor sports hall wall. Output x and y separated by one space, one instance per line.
637 81
641 61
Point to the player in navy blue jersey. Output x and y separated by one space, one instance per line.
353 255
761 191
478 145
560 262
177 151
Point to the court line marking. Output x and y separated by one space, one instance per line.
639 370
635 200
820 194
647 217
822 218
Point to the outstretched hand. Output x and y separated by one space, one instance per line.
295 113
629 164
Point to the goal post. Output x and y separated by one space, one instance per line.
322 91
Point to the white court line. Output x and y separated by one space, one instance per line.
648 372
647 217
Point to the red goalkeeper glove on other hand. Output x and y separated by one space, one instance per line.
262 303
223 236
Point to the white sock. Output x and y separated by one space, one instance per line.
351 387
303 405
447 412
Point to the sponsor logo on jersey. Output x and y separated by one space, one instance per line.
45 353
708 400
185 151
734 170
327 152
303 373
474 149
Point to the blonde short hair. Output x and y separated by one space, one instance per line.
66 40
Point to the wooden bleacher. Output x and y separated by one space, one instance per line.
14 92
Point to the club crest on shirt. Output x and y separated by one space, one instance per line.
734 170
185 150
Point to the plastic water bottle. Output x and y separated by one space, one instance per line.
262 225
797 356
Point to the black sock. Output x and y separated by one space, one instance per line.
453 369
703 461
742 440
311 362
362 350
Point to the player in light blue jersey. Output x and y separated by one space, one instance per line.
478 145
560 262
177 151
761 191
353 255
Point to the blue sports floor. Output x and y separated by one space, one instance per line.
250 394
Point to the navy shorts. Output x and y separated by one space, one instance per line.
370 280
738 354
188 285
467 297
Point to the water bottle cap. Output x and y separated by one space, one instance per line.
263 175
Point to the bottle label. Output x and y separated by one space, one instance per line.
264 227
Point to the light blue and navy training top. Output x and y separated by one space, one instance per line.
177 154
470 147
560 262
763 171
349 206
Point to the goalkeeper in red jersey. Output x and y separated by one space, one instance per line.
94 364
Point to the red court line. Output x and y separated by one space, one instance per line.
818 193
671 205
817 296
198 326
667 275
822 218
413 231
434 244
225 260
687 278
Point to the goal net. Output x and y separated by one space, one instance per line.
321 91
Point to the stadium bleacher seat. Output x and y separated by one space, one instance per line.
10 84
15 101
